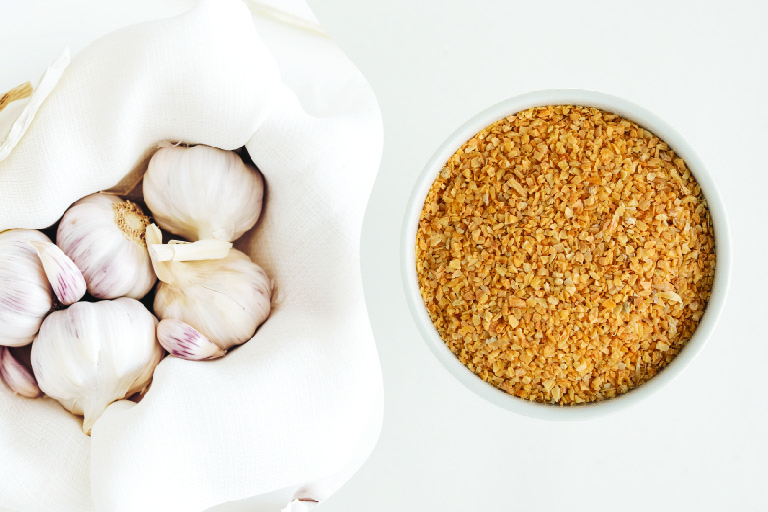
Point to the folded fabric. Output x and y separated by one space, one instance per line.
293 405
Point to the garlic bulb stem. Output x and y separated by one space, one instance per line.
185 251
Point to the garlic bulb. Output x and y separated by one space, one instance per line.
224 299
25 293
66 279
16 376
94 353
201 192
104 237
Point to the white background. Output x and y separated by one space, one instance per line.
700 444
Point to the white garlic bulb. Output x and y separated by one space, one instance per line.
104 237
224 299
95 353
25 293
201 192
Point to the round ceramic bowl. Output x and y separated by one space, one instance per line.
628 111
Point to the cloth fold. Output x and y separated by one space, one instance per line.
295 404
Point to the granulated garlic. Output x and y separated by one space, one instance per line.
565 255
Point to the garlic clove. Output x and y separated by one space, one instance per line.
182 340
66 279
154 238
176 250
16 376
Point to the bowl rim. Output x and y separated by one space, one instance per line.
629 111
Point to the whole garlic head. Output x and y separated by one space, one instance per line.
224 299
25 293
94 353
201 192
104 236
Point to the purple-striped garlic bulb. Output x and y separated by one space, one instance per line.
25 293
95 353
104 236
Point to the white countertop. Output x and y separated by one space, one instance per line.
700 444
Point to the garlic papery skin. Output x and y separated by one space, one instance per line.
201 192
104 237
184 341
25 293
66 279
94 353
225 299
16 376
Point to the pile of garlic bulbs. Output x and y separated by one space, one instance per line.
97 310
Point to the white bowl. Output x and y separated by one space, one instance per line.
624 109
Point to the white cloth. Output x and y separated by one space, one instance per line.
290 407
